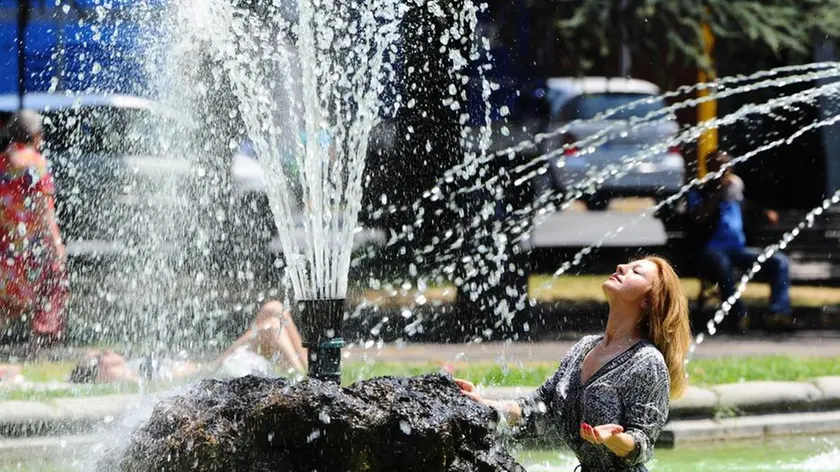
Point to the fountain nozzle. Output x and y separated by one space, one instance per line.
320 323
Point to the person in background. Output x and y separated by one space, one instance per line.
33 282
717 210
272 341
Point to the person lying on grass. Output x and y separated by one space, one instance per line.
272 342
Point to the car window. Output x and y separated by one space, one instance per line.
105 131
588 106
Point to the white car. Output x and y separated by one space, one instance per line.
116 176
658 175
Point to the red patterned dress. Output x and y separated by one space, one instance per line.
32 276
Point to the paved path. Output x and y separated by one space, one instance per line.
804 344
582 228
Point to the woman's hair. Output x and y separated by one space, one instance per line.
667 323
23 127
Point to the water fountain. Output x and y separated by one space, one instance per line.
310 88
328 107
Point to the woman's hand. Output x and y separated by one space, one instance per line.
509 410
599 434
610 435
469 391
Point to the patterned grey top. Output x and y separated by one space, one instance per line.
632 390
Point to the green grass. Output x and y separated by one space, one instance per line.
34 395
587 288
745 369
533 373
47 371
702 373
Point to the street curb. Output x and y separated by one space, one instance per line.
681 432
62 415
738 399
765 409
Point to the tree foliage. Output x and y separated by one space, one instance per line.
593 29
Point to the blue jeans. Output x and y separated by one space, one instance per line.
721 263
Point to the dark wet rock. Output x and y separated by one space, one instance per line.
256 424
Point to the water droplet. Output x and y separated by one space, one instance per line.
405 427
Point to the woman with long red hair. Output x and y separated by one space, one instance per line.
610 397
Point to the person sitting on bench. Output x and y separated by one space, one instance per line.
716 209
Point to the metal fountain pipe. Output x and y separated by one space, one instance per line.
320 322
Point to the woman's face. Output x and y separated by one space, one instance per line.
631 282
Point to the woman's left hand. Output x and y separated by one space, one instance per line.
600 434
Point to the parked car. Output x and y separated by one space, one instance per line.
121 180
570 99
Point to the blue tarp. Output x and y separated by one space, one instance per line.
114 46
81 45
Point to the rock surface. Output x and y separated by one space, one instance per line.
257 424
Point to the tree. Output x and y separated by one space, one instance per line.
669 32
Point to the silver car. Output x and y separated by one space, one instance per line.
657 175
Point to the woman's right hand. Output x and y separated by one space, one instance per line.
469 390
509 411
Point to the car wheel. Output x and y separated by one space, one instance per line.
596 203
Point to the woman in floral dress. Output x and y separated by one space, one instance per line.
33 284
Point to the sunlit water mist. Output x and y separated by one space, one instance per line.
309 92
129 187
520 218
307 84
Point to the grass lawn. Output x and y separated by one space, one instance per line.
702 372
587 288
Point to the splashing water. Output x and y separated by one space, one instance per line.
517 227
312 97
718 88
518 222
309 104
601 137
